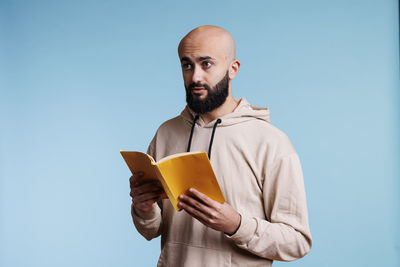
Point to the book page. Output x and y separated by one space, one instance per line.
190 170
141 162
177 155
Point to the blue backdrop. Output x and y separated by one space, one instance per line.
81 80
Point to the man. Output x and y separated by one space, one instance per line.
265 214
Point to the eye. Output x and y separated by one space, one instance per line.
186 66
206 64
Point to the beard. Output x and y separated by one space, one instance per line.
216 96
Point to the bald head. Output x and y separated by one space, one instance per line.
208 62
212 38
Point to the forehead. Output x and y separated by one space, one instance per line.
195 47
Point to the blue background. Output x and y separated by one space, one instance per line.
81 80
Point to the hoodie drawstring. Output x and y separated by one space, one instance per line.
212 135
191 132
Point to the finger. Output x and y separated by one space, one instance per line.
135 177
138 192
147 181
149 201
197 205
202 197
194 213
145 197
147 187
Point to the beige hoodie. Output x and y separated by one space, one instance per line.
260 176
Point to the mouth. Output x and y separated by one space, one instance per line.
198 90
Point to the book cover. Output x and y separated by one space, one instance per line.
177 173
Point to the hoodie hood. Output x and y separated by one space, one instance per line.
243 112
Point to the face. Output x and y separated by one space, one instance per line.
205 74
215 97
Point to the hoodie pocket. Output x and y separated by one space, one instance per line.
177 254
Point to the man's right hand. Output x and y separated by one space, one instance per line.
144 194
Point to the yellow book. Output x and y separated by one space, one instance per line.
177 173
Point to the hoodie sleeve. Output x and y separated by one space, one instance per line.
149 224
284 235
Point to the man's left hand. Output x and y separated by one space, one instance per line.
220 217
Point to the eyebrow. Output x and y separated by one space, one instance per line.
185 59
198 59
205 58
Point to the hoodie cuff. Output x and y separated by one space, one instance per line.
245 232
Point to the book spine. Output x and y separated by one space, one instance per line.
171 197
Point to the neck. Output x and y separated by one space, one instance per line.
227 107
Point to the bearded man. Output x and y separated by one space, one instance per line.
265 216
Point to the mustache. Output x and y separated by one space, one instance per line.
192 85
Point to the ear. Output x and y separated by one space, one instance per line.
234 68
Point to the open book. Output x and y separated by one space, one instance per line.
177 173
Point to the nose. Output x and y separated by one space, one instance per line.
197 75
